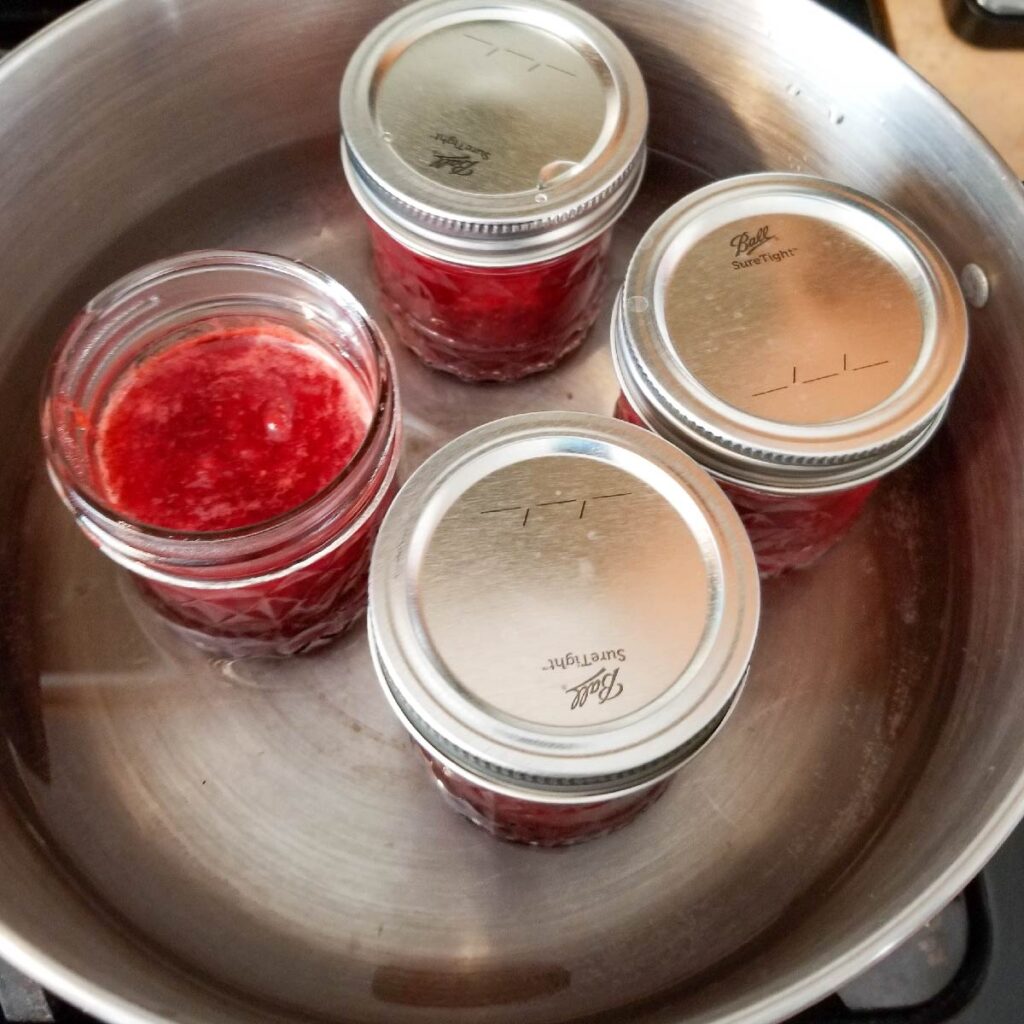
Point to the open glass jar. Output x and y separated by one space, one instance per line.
492 146
562 611
225 426
799 339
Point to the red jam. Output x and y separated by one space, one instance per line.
227 429
792 531
297 612
786 531
535 823
490 323
230 429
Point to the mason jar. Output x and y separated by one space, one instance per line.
799 339
492 147
224 425
562 612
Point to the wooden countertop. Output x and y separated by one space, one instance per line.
986 85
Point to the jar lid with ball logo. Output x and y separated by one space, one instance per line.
790 333
562 606
493 134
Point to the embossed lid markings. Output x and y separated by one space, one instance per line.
749 330
535 102
588 559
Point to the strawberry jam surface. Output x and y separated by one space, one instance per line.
490 323
786 531
228 429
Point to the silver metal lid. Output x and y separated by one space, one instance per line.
563 604
495 133
789 332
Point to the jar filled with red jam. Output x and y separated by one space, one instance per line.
225 426
799 339
562 612
492 147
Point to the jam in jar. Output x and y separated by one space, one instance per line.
533 822
502 596
799 339
492 147
788 531
510 321
225 426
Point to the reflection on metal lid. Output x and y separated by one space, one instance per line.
789 330
563 600
512 129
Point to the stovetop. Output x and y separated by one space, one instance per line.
966 966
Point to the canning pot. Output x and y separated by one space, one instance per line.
215 841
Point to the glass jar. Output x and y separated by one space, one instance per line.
492 148
787 531
503 625
799 339
509 321
225 426
533 822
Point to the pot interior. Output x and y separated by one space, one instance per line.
204 841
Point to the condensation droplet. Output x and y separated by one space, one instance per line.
793 89
551 172
836 116
386 136
540 197
637 304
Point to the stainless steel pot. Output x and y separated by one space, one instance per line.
199 842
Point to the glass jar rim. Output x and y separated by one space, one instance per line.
129 285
